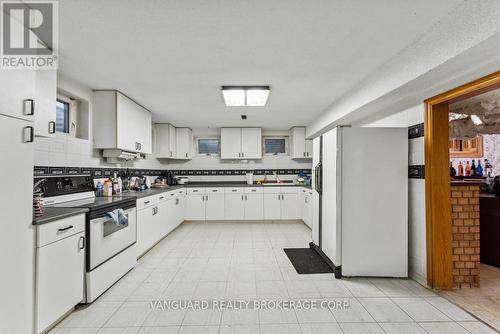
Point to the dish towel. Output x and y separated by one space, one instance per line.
118 216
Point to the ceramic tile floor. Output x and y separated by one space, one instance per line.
246 261
483 302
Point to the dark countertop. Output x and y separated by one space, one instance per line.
156 191
487 195
466 183
51 214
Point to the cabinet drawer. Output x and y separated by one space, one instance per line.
60 229
230 190
254 190
214 190
272 190
195 190
146 201
289 190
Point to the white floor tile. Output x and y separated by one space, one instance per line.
74 331
452 311
362 287
402 328
384 309
443 328
315 316
130 330
420 310
239 329
280 329
130 314
361 328
354 313
277 316
166 317
158 330
240 317
317 328
202 317
476 327
94 315
199 330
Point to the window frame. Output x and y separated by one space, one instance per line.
197 140
66 101
287 148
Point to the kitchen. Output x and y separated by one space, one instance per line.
188 163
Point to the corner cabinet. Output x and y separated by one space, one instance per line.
241 143
301 148
121 123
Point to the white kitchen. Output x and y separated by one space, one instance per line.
226 167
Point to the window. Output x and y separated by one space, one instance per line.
208 146
276 145
62 116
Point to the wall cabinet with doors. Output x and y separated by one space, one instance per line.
241 143
184 143
165 141
301 148
60 266
121 123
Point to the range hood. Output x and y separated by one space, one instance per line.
117 156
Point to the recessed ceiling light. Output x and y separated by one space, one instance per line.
245 96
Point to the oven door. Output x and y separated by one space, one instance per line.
107 239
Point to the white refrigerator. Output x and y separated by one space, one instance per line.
360 177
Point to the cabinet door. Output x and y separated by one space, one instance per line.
17 86
195 207
298 142
184 143
59 273
145 229
230 143
309 210
254 206
179 209
162 141
214 207
172 141
45 103
16 218
272 206
164 217
302 206
127 121
144 130
235 206
289 206
251 143
309 148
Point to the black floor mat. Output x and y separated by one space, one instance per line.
307 261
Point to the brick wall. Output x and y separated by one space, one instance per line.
465 229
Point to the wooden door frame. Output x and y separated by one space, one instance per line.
437 179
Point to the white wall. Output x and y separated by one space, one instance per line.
65 150
416 191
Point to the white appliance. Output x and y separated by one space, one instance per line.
360 209
111 249
17 237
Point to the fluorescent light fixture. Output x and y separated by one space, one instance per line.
476 120
245 96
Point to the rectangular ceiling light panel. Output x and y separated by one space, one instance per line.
245 96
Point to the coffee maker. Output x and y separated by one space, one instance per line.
171 180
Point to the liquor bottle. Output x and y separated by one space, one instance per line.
479 169
488 168
473 169
467 169
460 169
453 171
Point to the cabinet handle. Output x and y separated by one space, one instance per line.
146 202
65 228
203 198
30 135
81 243
246 197
172 194
279 197
29 107
186 155
52 127
303 154
176 201
243 154
161 197
207 198
234 190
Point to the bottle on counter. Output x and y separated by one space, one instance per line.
453 171
473 168
108 188
488 168
460 169
479 169
120 185
99 189
467 169
114 181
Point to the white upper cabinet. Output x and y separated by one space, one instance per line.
165 141
121 123
45 103
184 143
301 148
241 143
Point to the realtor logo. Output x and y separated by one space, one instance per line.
29 35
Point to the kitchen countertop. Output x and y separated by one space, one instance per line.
466 183
156 191
51 214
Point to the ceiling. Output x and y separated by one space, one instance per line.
173 56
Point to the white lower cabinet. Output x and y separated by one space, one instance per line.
235 206
289 206
254 206
60 269
306 199
195 207
145 228
214 206
272 206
